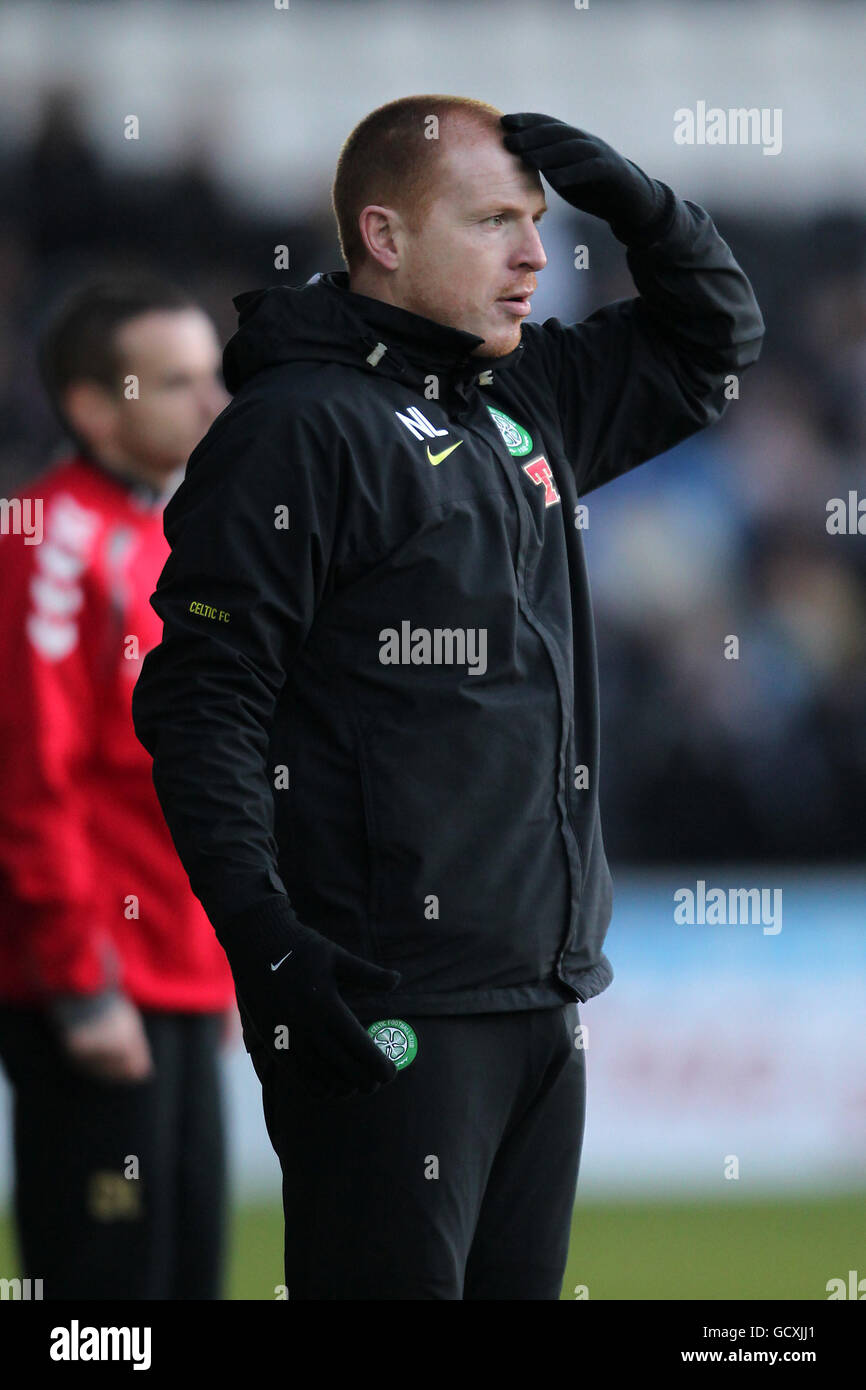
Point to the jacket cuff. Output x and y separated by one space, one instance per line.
67 1010
639 238
262 928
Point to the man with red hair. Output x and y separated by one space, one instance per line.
374 710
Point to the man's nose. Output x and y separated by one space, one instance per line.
533 253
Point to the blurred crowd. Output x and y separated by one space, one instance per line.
759 755
755 751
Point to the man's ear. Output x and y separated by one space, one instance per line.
381 230
91 410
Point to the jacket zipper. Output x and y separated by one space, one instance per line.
566 822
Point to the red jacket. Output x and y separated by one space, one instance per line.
92 892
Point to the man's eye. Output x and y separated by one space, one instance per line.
497 217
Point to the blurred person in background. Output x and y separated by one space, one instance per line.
113 991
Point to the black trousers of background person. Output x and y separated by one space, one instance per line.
454 1181
84 1228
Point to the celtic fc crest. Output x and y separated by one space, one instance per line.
396 1039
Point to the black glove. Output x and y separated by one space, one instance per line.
287 976
591 176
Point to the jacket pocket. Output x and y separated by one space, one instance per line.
469 877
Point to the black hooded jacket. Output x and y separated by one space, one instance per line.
374 708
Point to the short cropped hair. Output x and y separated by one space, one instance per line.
79 339
389 159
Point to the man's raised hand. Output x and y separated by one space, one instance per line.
590 175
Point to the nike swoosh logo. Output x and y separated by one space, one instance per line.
437 458
279 962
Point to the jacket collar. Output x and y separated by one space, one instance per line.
424 342
144 495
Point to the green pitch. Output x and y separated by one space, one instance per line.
640 1250
733 1249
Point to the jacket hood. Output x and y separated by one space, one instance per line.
325 321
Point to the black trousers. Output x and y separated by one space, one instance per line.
454 1181
84 1227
